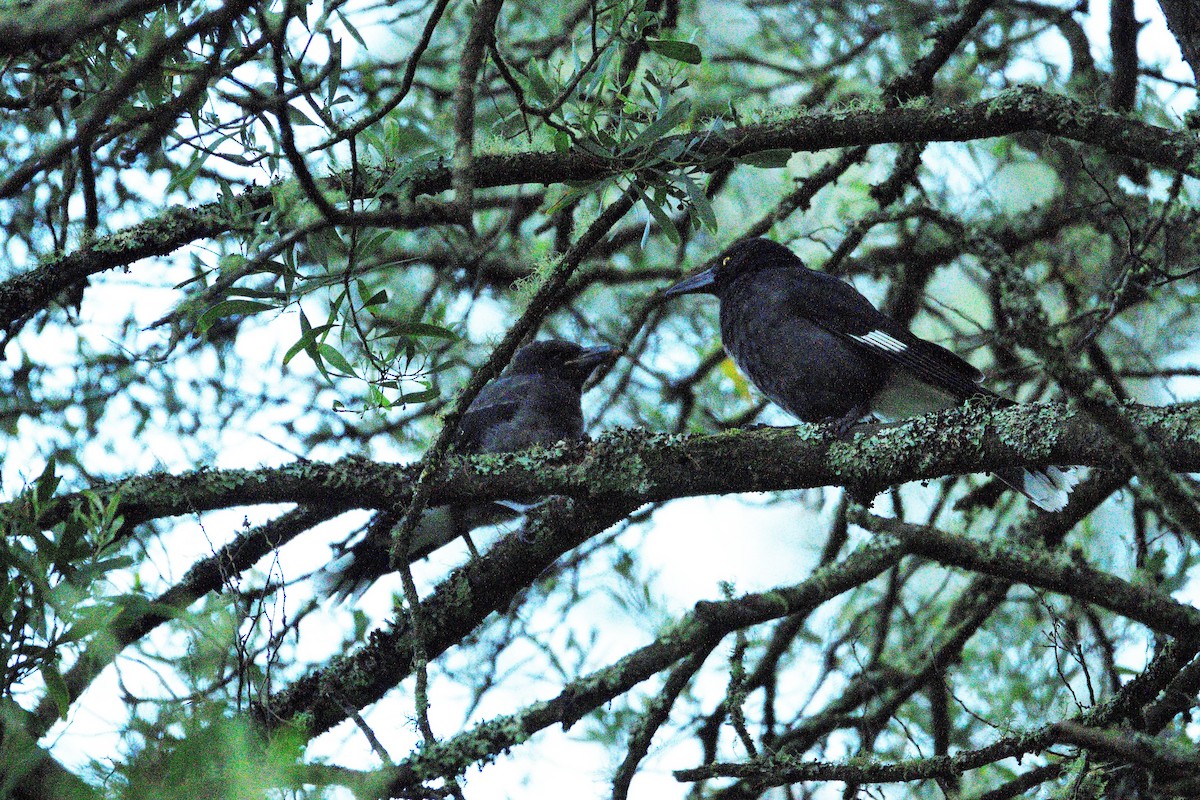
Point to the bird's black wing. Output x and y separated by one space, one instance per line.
839 308
493 408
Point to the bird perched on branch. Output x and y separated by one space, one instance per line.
536 400
819 349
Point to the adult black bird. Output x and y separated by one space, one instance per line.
535 400
815 346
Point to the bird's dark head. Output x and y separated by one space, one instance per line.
744 258
560 359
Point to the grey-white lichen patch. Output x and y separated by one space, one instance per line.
617 463
850 461
1035 431
809 432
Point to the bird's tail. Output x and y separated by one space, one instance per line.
1047 488
359 565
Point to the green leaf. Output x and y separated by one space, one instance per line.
593 84
350 29
537 82
686 52
675 115
423 396
305 342
56 688
227 308
325 245
740 385
47 482
377 299
767 159
258 294
298 118
184 177
592 148
333 81
699 202
418 330
87 573
155 33
89 620
660 216
336 359
231 261
411 136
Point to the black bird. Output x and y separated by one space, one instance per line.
819 349
536 400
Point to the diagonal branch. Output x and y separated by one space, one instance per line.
697 633
63 24
1044 569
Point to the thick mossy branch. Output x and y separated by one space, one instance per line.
360 680
458 605
471 593
1017 110
1023 108
36 289
42 26
636 466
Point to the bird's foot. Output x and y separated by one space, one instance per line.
842 425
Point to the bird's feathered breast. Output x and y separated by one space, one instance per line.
770 331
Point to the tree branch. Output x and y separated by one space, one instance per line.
61 24
696 633
1041 568
638 466
1183 20
1012 111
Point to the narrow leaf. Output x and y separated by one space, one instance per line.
336 359
56 688
767 159
305 342
686 52
227 308
419 330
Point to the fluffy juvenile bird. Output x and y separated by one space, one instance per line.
536 400
815 346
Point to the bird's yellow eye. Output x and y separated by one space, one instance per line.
724 261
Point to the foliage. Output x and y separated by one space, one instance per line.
257 253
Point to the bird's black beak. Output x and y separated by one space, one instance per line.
701 282
592 357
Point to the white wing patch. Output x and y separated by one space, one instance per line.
881 341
